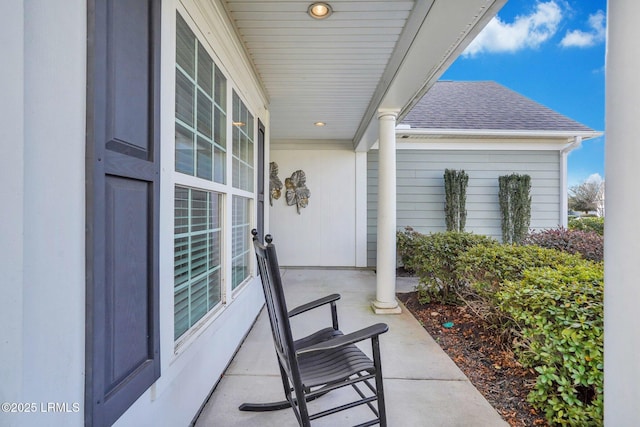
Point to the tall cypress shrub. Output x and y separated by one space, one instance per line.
455 191
515 206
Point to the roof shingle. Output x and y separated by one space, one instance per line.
484 105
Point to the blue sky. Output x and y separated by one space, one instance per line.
554 53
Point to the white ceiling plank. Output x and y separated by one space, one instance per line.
338 16
320 31
334 70
336 39
342 6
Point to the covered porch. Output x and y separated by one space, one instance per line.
423 386
358 73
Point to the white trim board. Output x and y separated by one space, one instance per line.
484 145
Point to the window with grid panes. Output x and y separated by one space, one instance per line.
197 246
242 145
241 250
200 148
200 151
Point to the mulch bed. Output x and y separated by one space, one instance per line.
485 360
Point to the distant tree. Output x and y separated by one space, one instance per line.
588 196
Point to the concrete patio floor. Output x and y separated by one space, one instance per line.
423 386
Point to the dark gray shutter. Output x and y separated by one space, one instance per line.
122 332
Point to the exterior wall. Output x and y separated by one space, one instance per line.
325 232
42 249
420 189
42 255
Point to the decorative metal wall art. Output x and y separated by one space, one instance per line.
275 185
297 192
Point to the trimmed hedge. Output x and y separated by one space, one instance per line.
484 267
588 244
434 259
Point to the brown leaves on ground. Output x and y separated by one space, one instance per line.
478 351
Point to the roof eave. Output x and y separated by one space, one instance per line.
432 43
500 133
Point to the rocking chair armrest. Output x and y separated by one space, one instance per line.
314 304
344 340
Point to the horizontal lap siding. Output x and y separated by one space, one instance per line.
420 189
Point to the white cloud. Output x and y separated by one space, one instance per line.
597 33
528 31
595 178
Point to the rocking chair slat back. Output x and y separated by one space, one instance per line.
276 304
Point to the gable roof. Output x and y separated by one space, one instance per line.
484 105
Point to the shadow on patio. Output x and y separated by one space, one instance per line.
422 385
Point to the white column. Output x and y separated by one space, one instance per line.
54 209
622 236
12 225
386 302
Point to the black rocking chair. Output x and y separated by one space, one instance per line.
321 362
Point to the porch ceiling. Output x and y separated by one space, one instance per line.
367 55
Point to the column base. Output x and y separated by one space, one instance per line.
385 307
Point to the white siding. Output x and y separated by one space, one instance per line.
324 233
420 187
43 151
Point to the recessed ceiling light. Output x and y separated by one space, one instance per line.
239 124
320 124
319 10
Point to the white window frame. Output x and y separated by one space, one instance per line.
228 192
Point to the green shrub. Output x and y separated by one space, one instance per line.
484 267
595 224
586 243
560 313
455 192
407 244
514 195
434 258
550 301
